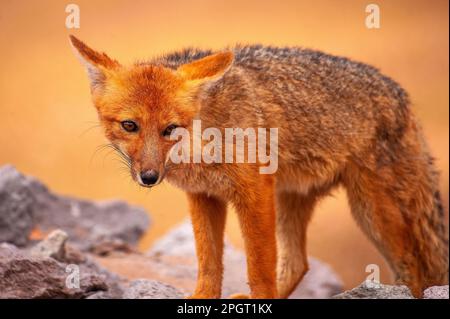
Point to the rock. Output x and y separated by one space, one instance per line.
89 223
105 248
25 276
175 256
436 292
52 246
150 289
16 207
87 264
27 204
54 269
177 242
368 290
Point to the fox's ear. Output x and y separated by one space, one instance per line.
207 69
97 63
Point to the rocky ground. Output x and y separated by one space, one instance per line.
53 246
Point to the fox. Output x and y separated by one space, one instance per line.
341 123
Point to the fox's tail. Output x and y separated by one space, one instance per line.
399 208
434 226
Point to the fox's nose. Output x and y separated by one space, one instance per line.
149 177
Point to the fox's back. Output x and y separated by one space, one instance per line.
304 83
311 96
294 67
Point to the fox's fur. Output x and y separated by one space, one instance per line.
340 122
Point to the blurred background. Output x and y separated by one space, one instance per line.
49 127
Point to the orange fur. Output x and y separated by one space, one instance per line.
340 123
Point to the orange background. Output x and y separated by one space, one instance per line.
46 113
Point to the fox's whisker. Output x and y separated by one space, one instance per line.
99 149
96 125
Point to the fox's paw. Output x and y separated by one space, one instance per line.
239 296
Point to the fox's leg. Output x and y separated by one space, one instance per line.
256 212
293 214
208 220
396 213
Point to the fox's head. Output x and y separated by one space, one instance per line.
140 105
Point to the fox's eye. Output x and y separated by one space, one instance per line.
129 126
168 130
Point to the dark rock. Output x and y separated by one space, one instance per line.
52 269
102 295
370 290
16 207
150 289
175 256
25 204
105 248
24 276
114 283
436 292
